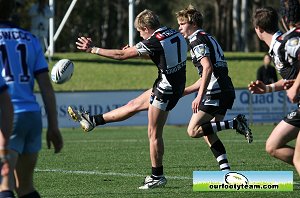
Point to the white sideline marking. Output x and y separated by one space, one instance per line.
136 140
102 173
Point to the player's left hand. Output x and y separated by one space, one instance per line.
54 137
85 44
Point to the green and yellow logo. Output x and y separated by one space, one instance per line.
243 181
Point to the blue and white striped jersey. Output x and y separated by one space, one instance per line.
21 59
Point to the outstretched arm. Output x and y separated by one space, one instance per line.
86 44
258 87
192 88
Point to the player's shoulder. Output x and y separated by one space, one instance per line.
292 33
163 33
198 35
291 40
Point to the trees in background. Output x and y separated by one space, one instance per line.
106 21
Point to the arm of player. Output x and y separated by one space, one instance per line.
192 88
53 132
258 87
204 81
86 44
294 90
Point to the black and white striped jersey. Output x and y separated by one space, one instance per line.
168 50
204 45
288 51
273 51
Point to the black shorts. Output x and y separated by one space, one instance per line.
219 105
165 102
293 118
213 110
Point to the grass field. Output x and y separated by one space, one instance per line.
112 162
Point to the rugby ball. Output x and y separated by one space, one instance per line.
62 71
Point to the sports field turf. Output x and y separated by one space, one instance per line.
112 162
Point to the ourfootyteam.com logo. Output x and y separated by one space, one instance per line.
243 181
236 178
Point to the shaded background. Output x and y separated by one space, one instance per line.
106 21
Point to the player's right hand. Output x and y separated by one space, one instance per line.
54 137
85 44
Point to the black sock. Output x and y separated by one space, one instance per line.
7 194
234 124
98 119
33 194
157 171
219 152
207 129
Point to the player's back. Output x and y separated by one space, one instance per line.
21 59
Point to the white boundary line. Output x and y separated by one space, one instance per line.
146 140
78 172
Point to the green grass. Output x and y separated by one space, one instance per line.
96 73
112 161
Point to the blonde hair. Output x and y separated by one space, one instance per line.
190 15
147 18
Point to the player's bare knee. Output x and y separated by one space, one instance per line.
195 132
151 134
271 150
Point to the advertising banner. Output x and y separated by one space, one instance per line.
264 108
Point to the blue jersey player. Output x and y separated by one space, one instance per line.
22 62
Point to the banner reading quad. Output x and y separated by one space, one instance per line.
266 108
